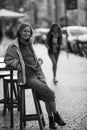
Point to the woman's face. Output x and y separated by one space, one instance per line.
25 33
55 29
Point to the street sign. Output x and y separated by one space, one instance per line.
71 4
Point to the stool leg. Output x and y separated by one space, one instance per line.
6 97
41 113
38 111
11 106
5 89
22 108
18 89
16 94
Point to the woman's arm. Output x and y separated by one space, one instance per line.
47 41
11 59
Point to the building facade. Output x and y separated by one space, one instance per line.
45 12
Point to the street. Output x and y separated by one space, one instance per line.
71 92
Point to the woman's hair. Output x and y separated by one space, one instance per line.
57 25
21 27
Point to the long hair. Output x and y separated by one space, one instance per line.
55 25
50 37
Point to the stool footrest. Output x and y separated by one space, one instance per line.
14 105
9 101
30 117
1 100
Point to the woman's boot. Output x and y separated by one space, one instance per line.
52 123
58 119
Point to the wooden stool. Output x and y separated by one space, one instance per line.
7 94
25 117
12 71
2 75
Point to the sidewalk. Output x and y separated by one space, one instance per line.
71 93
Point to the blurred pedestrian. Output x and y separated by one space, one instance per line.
53 43
20 54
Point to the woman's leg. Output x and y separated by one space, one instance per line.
53 106
54 63
56 55
41 88
53 115
43 92
52 124
47 95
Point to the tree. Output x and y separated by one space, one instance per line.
3 3
11 4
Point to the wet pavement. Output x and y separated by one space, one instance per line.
71 93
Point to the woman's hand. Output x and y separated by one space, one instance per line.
40 61
19 66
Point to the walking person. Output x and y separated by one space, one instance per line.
20 54
53 44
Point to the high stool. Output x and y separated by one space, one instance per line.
7 94
2 75
11 70
30 117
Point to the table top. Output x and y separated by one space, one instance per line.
1 59
6 71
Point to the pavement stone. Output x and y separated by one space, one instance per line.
71 93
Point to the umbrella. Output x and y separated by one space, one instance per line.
4 13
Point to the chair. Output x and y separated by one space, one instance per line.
30 117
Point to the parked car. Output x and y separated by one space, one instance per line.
76 37
40 35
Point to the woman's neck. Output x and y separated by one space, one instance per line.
23 42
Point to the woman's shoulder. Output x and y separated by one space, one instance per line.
13 43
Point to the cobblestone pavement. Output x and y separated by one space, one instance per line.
71 93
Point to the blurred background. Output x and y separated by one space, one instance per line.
41 14
71 91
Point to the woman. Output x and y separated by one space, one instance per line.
53 43
20 54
